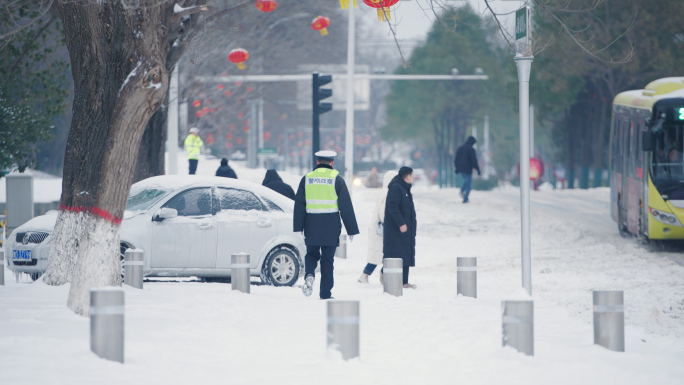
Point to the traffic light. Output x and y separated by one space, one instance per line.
319 108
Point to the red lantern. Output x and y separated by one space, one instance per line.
321 24
239 56
238 140
229 136
232 126
245 128
249 89
267 136
219 87
307 142
228 93
266 5
196 103
229 145
382 6
205 110
199 114
240 115
210 139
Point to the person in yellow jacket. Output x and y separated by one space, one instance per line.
193 144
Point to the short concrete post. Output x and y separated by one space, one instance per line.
609 319
239 274
466 276
393 276
518 325
107 323
133 268
2 267
341 251
343 327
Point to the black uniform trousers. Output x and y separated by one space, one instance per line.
326 254
193 166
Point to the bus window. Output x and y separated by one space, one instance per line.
614 148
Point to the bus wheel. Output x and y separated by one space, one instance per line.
622 228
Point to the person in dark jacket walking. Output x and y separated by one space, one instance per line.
225 170
322 198
273 181
399 237
464 163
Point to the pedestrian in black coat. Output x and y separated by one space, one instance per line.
399 237
273 181
464 163
225 170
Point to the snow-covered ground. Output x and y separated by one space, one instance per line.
194 332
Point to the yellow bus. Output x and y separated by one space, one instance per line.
646 162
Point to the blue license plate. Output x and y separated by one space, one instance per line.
22 255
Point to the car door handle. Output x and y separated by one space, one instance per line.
264 223
205 226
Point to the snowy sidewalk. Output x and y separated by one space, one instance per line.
194 332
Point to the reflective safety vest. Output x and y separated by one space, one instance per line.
319 189
192 146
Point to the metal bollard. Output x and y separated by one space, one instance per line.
466 276
518 325
107 323
609 319
133 268
341 251
393 276
2 267
343 327
239 274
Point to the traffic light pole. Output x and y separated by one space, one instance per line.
318 108
316 121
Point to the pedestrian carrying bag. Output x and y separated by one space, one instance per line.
379 229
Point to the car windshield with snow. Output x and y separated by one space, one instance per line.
189 226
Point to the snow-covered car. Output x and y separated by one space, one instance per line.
189 226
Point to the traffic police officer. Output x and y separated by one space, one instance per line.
193 145
322 198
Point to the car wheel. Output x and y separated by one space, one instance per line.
281 268
35 276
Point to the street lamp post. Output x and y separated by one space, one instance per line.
349 126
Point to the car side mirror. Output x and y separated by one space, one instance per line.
648 141
165 213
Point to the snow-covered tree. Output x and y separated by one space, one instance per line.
118 57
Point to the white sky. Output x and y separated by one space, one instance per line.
414 17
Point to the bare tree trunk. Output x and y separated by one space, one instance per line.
571 132
120 79
599 138
152 148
